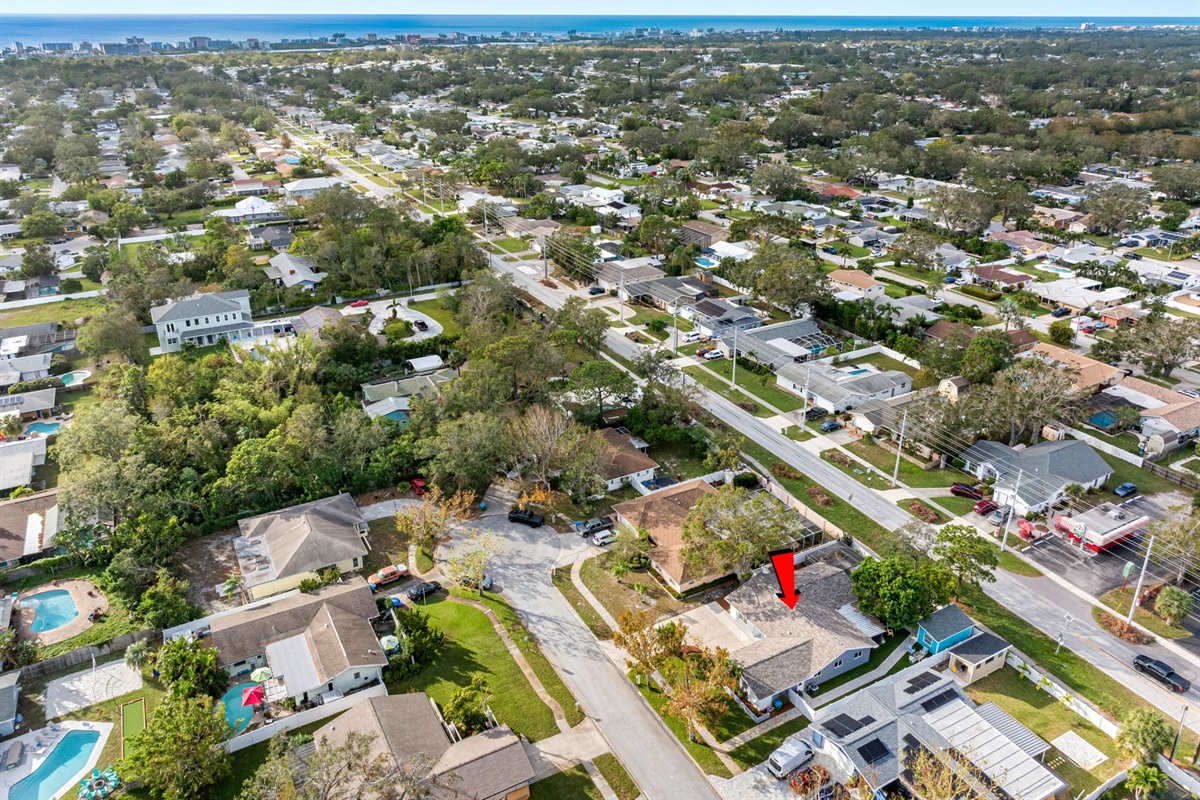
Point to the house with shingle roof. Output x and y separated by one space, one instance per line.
1091 374
858 282
203 319
1043 471
277 551
317 644
797 649
491 765
661 516
628 462
1164 412
287 270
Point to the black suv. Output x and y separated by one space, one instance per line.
526 518
422 589
1161 672
816 412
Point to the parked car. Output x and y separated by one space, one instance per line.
720 215
423 589
594 525
1125 489
389 574
605 537
713 355
1101 325
791 756
595 290
1189 392
692 336
421 325
985 507
831 425
1161 672
526 517
1088 329
815 413
831 250
961 281
997 516
965 490
1134 256
487 583
360 304
949 279
418 486
1061 311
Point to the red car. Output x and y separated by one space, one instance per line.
984 507
360 303
418 486
1088 329
963 490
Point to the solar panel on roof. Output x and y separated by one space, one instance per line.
873 751
1177 275
938 700
866 721
841 725
919 682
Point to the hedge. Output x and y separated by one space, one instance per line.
982 294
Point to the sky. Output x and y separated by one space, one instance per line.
957 8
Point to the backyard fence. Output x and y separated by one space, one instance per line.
875 349
1162 472
1068 698
1115 780
82 654
1105 447
302 718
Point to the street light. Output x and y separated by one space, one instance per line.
1067 620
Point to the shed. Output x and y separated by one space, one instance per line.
943 629
978 656
425 363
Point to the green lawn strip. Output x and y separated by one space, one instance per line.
733 720
798 434
839 512
757 750
1125 440
958 506
910 474
133 721
472 646
908 505
679 461
875 660
618 779
433 308
1118 599
763 386
598 627
702 753
722 388
570 784
1049 719
1147 483
864 475
510 245
1010 562
424 562
63 312
533 654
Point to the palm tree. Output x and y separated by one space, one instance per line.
1074 492
137 654
1145 779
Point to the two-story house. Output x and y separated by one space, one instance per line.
203 319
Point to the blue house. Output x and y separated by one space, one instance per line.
943 629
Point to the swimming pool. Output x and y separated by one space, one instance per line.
78 376
859 371
52 609
44 428
1103 419
237 715
706 262
68 758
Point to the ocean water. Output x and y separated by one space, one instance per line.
33 29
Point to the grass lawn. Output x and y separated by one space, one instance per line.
839 512
533 654
713 382
618 779
909 505
424 561
874 660
1118 599
644 315
133 720
472 646
700 751
152 692
678 461
387 546
798 434
864 475
845 248
910 474
620 596
1125 440
63 312
1009 562
1147 483
598 627
246 762
510 245
763 386
433 308
757 750
882 362
1049 719
570 784
958 506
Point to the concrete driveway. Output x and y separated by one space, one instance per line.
711 626
383 310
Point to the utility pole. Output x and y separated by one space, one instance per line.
1178 733
675 325
1012 509
1133 601
899 447
546 264
621 300
804 408
733 371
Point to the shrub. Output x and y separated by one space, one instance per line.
71 286
745 480
37 383
819 497
982 294
59 364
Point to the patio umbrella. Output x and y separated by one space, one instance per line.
252 695
261 674
389 642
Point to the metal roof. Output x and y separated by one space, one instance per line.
1017 733
864 622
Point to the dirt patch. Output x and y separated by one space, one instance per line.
785 472
1122 630
819 497
838 457
207 563
924 513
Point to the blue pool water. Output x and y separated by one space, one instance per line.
706 262
78 376
46 428
52 609
859 371
58 771
1103 419
237 715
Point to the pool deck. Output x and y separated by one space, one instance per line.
87 598
34 756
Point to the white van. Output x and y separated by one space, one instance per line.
692 336
791 756
604 537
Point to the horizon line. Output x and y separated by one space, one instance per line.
632 16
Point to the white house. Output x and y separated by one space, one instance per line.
842 389
628 462
287 270
306 188
203 319
1044 471
252 209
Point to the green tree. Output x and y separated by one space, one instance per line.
1145 735
988 354
180 754
137 654
971 557
113 330
1144 780
126 217
190 669
1114 204
734 531
467 709
1062 333
435 519
899 592
165 603
467 453
597 382
1173 604
15 653
38 260
700 692
42 224
649 646
919 248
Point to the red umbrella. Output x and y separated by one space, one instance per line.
252 695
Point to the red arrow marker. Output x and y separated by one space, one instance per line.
785 573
